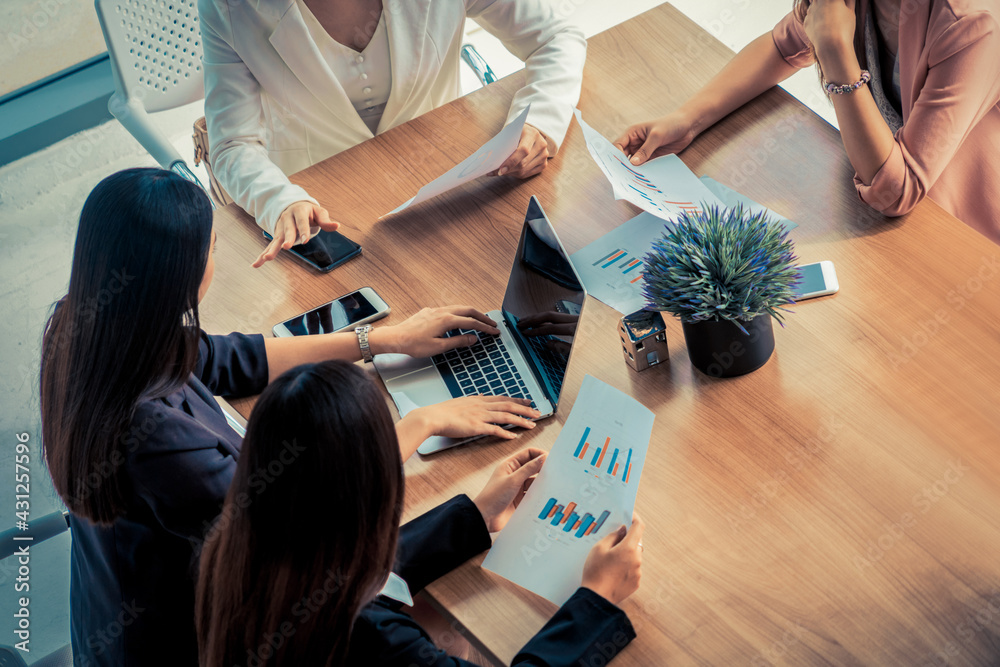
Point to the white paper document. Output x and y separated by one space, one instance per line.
664 187
488 158
611 266
731 198
586 489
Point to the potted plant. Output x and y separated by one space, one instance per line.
724 272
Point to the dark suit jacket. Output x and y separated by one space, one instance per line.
132 583
586 630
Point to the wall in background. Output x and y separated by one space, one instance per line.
42 37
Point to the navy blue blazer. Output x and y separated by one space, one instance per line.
132 583
586 630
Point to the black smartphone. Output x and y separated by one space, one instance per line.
325 251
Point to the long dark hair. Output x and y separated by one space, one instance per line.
127 329
861 7
307 535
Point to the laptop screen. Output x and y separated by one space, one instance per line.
544 300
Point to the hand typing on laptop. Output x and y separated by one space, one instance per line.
468 417
517 355
424 334
435 331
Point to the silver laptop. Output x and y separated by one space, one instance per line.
528 359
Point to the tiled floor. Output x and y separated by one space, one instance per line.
40 199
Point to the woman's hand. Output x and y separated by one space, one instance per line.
295 226
830 26
530 156
466 417
644 141
507 486
422 335
614 565
473 416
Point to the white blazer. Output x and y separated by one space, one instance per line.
274 107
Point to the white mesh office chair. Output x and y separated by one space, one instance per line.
155 52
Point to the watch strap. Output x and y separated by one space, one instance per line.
366 351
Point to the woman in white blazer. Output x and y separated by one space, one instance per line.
291 82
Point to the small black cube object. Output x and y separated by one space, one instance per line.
644 339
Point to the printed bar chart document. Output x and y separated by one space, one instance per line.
586 489
487 158
664 187
611 266
732 198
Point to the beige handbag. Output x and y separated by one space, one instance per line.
200 138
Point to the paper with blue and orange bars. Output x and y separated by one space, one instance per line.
586 489
663 187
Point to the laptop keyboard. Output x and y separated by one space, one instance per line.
484 368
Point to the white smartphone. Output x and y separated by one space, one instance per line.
819 279
342 314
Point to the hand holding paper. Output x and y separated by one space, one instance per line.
611 267
614 565
664 187
652 139
585 492
530 156
507 486
488 158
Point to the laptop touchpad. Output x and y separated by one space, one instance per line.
417 388
392 366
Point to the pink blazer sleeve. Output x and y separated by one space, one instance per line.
962 85
790 39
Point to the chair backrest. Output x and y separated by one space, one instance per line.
155 50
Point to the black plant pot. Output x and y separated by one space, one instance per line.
720 349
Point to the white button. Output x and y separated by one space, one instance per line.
367 90
368 103
360 59
364 76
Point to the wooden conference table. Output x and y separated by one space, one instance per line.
841 505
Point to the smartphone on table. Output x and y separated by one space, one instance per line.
342 314
819 279
325 251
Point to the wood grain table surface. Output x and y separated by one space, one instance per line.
841 505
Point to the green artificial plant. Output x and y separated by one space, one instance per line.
721 264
